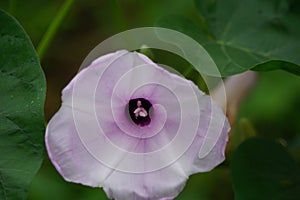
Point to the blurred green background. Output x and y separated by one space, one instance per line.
270 110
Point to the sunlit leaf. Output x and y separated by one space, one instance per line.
22 90
263 169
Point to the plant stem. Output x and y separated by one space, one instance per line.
52 29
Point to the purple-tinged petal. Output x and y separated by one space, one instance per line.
93 140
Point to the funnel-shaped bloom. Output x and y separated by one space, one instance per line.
135 129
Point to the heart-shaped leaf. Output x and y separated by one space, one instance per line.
263 169
246 34
22 90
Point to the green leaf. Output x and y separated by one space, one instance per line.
262 169
278 64
22 89
243 34
181 24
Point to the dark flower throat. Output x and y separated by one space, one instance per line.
139 111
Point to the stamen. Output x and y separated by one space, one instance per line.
138 110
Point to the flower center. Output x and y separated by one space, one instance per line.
139 111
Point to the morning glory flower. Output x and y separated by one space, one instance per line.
135 129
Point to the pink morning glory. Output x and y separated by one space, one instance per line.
135 129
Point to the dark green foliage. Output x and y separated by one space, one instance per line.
262 169
245 34
22 90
